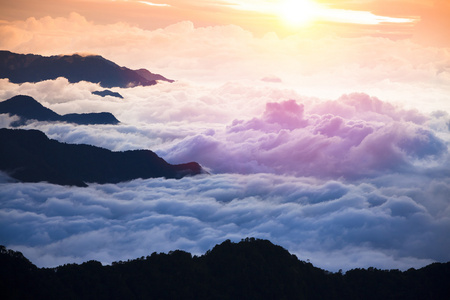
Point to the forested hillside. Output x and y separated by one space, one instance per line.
250 269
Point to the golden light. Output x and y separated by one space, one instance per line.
298 12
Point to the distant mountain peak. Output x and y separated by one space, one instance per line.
151 76
105 93
20 68
27 108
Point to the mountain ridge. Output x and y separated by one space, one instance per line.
20 68
249 269
30 156
27 108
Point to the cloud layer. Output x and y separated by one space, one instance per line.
351 182
353 137
322 67
333 224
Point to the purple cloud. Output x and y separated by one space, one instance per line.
354 137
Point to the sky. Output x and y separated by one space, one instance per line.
324 126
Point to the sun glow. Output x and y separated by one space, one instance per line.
298 12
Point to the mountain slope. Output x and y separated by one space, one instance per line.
28 108
20 68
151 76
29 156
250 269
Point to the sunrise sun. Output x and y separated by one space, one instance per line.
298 12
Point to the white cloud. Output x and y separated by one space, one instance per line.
363 224
293 11
154 4
6 120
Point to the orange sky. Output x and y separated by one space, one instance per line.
431 26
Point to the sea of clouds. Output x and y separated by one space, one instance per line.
345 183
333 224
339 154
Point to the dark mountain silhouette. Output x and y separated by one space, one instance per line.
90 118
250 269
28 108
29 156
20 68
151 76
107 93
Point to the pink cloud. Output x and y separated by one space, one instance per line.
365 137
325 67
277 116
